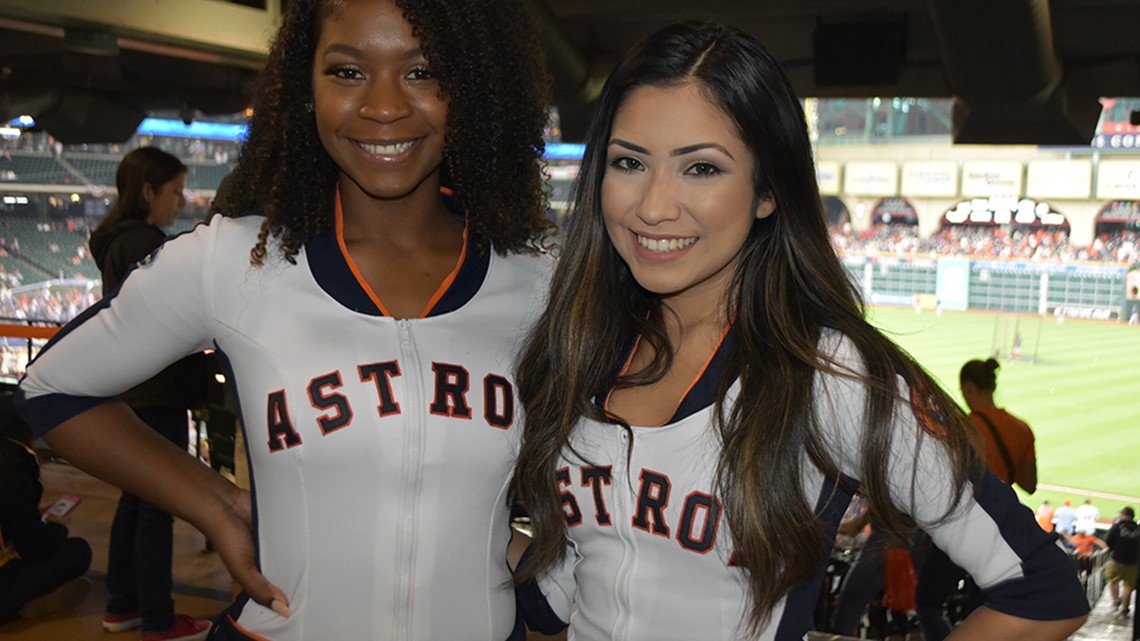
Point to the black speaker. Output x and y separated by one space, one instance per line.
860 52
83 116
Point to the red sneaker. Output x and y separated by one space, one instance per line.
121 622
186 628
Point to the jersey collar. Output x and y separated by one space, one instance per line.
703 389
336 273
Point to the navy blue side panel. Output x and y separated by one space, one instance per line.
799 605
532 607
231 382
519 631
1050 589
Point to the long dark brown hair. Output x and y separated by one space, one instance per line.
143 166
491 68
789 287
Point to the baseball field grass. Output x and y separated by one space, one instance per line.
1077 384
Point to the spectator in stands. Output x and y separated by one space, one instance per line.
42 569
1009 442
1045 513
1084 542
1123 539
150 183
1066 517
1087 513
1010 455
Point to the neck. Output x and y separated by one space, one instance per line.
686 323
983 401
415 220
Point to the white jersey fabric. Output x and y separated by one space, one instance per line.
650 548
380 449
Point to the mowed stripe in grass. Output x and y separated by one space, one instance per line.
1081 393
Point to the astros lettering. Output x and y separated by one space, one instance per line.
699 518
449 397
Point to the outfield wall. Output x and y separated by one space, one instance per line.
1087 290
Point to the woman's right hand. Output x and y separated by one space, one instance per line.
111 443
232 536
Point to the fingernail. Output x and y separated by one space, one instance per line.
280 608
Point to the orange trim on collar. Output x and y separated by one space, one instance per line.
692 384
351 263
446 284
624 369
439 292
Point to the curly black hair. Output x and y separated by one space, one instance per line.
491 67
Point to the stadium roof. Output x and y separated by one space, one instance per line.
1022 71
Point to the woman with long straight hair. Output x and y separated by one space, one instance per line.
719 396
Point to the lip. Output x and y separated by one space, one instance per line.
387 151
661 256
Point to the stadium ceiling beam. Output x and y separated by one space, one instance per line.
196 29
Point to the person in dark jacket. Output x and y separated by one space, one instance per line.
150 183
1120 570
42 569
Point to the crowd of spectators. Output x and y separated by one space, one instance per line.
191 150
987 241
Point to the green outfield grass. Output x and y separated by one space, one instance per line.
1081 393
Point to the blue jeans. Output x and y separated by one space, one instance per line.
142 539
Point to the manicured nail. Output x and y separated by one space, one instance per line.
280 608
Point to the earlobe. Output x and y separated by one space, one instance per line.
765 206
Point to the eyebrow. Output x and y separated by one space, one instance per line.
359 53
680 151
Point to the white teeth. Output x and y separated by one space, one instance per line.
387 150
665 245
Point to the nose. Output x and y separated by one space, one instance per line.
385 100
659 201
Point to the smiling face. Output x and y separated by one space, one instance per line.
164 203
677 194
379 111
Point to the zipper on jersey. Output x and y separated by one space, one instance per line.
627 504
413 466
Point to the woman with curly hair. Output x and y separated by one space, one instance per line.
367 303
720 395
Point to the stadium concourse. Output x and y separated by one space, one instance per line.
202 587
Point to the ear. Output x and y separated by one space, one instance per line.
765 205
148 194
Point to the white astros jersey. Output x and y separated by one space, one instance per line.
380 449
650 550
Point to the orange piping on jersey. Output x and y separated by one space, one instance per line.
704 368
439 292
351 263
446 284
247 633
624 369
688 389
